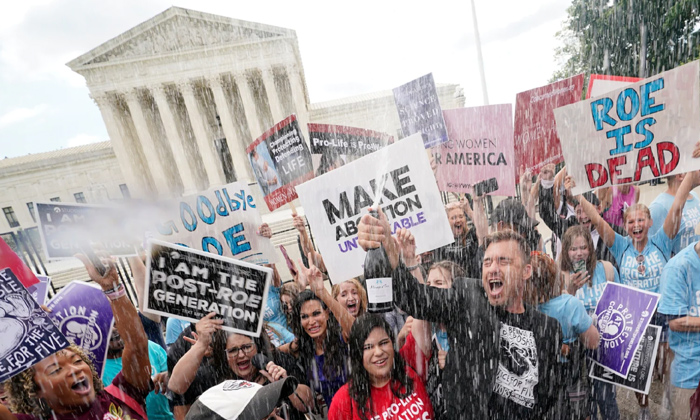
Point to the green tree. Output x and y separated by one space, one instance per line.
627 37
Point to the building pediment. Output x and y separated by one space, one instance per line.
175 31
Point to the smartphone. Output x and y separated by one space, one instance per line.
485 187
290 265
579 265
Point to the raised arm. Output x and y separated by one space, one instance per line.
135 365
306 245
185 370
315 278
481 223
527 197
603 228
139 273
420 329
559 179
675 214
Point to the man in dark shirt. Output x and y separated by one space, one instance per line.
462 250
503 359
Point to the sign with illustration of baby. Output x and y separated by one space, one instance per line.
28 335
281 160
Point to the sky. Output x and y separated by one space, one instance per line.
347 48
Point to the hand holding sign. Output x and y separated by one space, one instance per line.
109 280
206 327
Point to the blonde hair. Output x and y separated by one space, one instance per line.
636 207
360 291
545 282
23 390
566 243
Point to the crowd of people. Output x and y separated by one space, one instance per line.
500 324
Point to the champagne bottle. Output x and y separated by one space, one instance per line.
378 279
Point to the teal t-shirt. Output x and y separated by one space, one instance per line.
659 209
590 295
157 407
680 296
570 313
656 253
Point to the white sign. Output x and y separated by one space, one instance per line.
643 131
223 221
335 202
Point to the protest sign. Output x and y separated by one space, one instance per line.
642 367
83 314
189 284
420 111
281 160
8 259
28 335
644 131
623 315
334 145
536 140
40 291
335 202
599 84
480 147
223 220
66 229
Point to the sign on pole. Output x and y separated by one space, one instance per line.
335 202
40 291
334 145
420 111
8 259
644 131
27 334
480 147
642 367
189 284
599 84
83 314
623 315
281 160
223 221
536 140
66 229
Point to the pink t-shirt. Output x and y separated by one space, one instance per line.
614 213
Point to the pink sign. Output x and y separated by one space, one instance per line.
536 140
479 147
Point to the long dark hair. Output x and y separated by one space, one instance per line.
360 386
334 350
218 345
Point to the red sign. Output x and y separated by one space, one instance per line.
536 139
599 84
8 259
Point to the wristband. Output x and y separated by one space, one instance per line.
413 267
116 293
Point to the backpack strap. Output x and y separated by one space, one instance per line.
127 399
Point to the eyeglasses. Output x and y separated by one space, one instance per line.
246 349
640 267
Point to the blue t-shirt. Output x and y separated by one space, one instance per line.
659 209
570 313
656 253
680 296
173 328
157 407
275 316
590 295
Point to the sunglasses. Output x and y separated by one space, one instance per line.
640 264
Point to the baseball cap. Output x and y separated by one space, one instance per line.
241 400
512 211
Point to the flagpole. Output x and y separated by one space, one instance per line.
479 56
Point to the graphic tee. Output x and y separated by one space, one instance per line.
275 316
104 407
570 313
513 393
647 275
659 209
157 407
590 295
385 405
680 296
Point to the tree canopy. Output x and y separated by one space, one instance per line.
627 37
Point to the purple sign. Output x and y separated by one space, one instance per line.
28 335
623 315
420 111
83 314
40 291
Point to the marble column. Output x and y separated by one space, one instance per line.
299 98
235 145
212 163
154 161
184 163
137 182
273 99
251 113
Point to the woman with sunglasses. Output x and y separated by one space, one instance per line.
232 354
382 386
